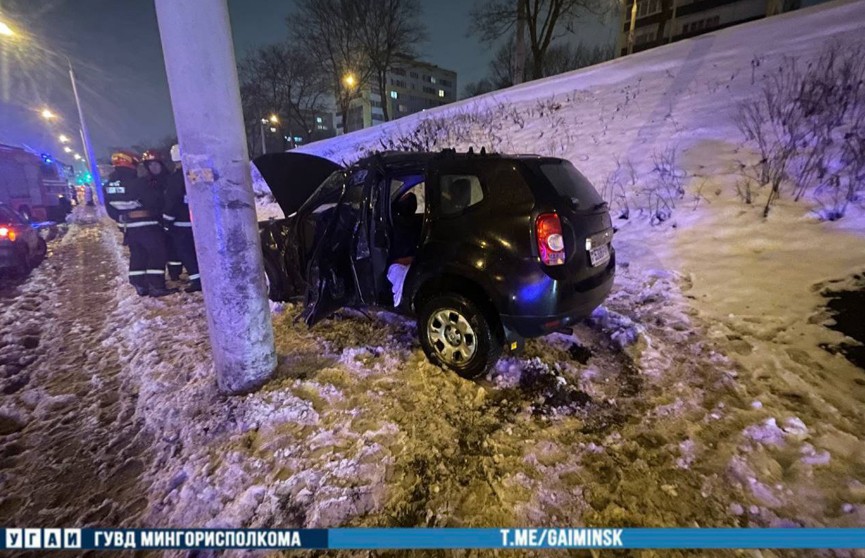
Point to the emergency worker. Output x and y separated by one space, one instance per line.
136 205
158 175
178 220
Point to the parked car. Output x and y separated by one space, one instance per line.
21 247
495 248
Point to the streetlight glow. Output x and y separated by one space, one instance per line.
77 157
349 80
63 138
6 30
47 114
67 149
274 119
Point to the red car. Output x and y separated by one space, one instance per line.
21 247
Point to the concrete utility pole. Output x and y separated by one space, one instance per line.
205 96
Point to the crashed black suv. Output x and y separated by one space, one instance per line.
484 250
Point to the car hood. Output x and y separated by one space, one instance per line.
293 177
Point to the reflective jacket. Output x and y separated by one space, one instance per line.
131 200
176 210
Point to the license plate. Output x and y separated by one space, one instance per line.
599 255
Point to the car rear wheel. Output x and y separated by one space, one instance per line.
455 333
25 264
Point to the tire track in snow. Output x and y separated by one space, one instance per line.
71 450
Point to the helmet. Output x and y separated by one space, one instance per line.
123 159
175 153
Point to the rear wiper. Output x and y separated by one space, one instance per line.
601 205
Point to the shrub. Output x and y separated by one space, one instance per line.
808 124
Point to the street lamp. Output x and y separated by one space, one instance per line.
5 30
349 80
272 119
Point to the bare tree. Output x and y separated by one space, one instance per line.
479 87
389 30
519 54
285 81
329 30
561 57
545 20
666 15
566 57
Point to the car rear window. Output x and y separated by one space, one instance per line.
570 183
9 217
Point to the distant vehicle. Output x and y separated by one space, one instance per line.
21 247
498 248
33 185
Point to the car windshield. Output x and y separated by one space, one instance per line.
570 183
327 195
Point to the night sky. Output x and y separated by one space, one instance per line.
114 46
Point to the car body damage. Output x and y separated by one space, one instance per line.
481 249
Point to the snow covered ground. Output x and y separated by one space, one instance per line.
697 396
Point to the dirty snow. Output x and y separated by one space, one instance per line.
698 395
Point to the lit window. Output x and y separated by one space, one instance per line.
432 79
441 92
393 95
318 120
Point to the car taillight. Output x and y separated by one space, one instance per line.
7 233
551 245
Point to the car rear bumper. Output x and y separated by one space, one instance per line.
590 294
9 258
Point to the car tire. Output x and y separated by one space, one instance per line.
25 265
456 333
273 282
41 252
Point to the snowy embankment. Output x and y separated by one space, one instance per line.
697 396
739 297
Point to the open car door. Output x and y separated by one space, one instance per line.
331 235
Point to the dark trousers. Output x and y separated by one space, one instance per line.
185 244
146 256
174 263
